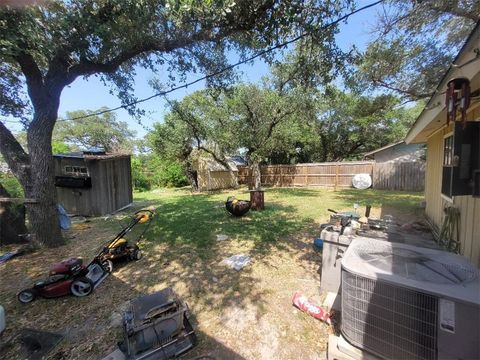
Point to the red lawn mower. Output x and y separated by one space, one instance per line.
72 277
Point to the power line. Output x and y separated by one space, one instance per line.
227 68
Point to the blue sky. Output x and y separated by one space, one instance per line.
91 94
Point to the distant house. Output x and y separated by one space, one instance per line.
397 152
93 183
211 175
453 150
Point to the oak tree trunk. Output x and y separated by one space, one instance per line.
192 177
43 215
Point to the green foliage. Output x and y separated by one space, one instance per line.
349 125
103 131
150 171
11 184
112 38
168 173
141 181
59 147
416 42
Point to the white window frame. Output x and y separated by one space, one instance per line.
76 173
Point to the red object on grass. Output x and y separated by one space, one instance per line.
302 302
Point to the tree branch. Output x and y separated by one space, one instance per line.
452 10
33 76
16 158
222 162
276 121
188 119
411 93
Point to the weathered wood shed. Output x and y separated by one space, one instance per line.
93 183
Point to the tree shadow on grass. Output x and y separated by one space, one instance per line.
196 220
181 251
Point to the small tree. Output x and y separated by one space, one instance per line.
255 118
45 48
101 131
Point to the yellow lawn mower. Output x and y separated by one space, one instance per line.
121 248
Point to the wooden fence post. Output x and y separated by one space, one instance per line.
336 176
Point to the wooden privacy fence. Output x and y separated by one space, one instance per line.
399 176
391 176
334 174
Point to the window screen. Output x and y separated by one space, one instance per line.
461 160
448 151
76 170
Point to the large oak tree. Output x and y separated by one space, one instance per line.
45 48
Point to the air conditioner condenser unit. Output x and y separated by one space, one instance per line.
405 302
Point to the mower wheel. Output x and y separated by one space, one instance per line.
107 265
81 287
136 254
26 296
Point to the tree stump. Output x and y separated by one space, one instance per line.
257 199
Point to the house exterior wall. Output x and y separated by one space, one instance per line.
433 178
469 226
400 153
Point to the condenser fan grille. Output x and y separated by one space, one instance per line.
390 321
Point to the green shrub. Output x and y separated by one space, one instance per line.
140 180
168 174
150 171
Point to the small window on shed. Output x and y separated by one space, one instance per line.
76 170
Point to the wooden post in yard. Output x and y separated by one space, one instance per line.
257 198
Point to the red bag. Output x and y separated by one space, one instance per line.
301 302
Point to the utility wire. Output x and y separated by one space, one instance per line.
229 67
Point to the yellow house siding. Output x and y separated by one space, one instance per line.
469 227
433 178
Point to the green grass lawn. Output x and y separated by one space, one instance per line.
183 218
181 251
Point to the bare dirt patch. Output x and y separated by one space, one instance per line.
245 314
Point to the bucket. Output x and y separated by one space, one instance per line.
318 244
